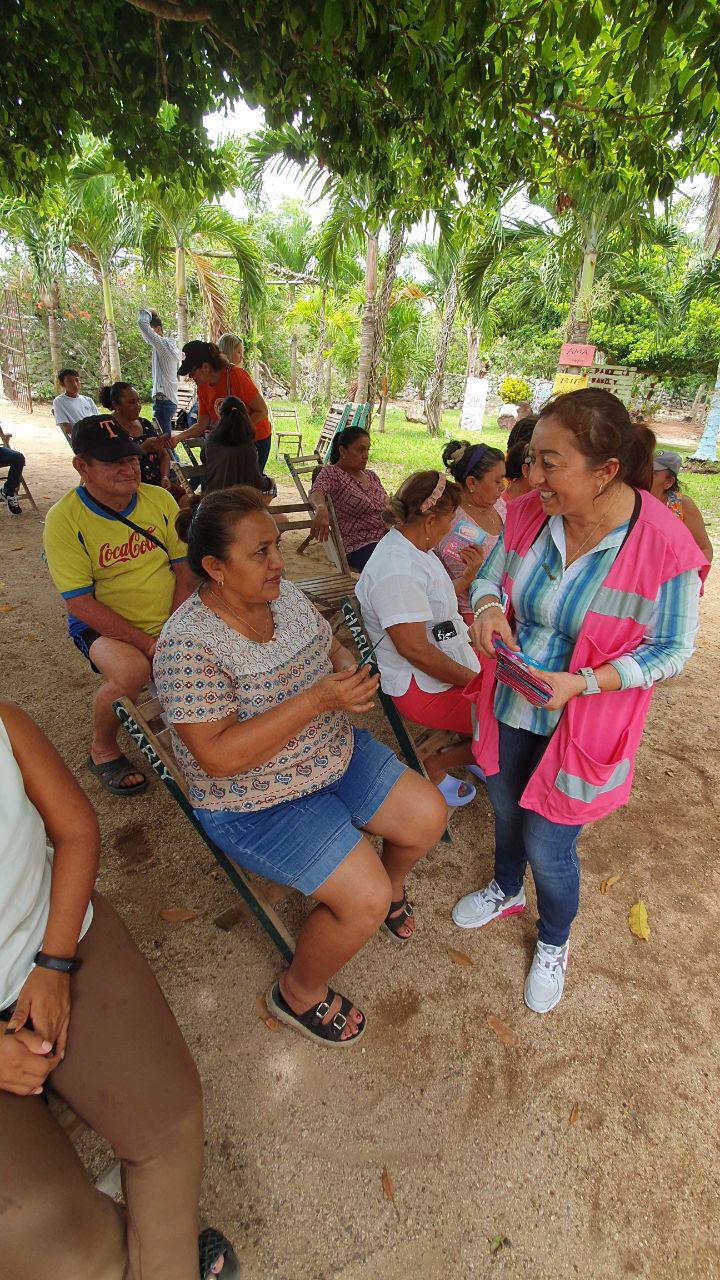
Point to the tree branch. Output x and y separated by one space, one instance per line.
172 12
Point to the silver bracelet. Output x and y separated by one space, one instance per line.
490 604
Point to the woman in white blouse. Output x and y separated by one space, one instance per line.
410 610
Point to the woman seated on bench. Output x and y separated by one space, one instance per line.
258 694
82 1015
357 495
410 610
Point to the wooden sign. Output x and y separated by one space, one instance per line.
577 354
617 379
473 410
569 382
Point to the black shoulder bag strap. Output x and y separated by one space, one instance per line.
137 528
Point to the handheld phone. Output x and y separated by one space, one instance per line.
368 656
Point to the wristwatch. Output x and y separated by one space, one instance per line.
59 963
590 681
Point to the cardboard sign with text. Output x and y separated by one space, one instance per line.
617 379
577 354
569 382
473 410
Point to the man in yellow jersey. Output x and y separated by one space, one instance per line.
117 561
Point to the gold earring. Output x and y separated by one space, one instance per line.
221 582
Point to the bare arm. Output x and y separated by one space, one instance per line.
192 433
257 410
184 583
227 747
73 831
696 526
412 643
109 623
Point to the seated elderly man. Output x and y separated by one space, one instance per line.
118 563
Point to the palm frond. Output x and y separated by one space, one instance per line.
211 291
701 282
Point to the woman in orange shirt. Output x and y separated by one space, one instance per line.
215 379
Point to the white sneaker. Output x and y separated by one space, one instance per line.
485 905
546 979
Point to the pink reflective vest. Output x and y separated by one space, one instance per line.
588 765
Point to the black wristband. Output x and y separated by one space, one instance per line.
57 963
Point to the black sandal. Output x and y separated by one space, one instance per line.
310 1023
213 1248
112 774
393 923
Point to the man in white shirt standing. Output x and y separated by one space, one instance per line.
70 407
165 361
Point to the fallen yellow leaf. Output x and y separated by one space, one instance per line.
638 921
574 1115
17 548
175 915
458 957
503 1032
609 882
6 608
387 1185
271 1023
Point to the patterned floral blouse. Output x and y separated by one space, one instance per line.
358 507
204 671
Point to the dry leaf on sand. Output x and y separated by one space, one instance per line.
502 1031
638 921
271 1023
387 1185
17 548
574 1115
176 915
6 608
609 882
458 957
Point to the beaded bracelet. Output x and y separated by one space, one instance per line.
490 604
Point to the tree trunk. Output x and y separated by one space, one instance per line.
383 404
578 325
434 395
293 366
109 327
473 341
367 328
181 301
320 354
54 343
395 248
328 379
707 448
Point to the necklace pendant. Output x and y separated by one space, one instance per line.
551 576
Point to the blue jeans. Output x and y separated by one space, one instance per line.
15 462
523 836
263 451
164 411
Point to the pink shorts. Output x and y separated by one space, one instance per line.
447 710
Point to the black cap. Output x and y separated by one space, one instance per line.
103 439
194 354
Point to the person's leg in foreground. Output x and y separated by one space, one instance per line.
15 462
358 897
129 1075
125 671
522 837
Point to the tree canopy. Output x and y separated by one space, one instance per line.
478 90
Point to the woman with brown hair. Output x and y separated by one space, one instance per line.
216 378
410 610
597 585
259 693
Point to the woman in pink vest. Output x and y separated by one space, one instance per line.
601 584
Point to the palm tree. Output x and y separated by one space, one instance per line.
399 352
289 244
42 232
103 225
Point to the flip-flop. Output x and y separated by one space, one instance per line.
479 773
216 1255
112 772
456 793
310 1023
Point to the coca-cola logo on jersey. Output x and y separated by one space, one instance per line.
135 546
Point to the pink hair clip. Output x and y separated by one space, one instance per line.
436 494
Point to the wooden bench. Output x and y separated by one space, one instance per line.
145 725
328 591
289 413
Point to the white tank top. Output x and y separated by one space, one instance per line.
25 874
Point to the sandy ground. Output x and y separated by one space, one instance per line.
476 1136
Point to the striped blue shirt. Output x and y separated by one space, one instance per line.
550 604
165 359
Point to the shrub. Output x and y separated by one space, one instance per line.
513 389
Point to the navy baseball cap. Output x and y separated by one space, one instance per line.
103 439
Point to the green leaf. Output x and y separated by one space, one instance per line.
332 19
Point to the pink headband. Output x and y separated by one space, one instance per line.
436 494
